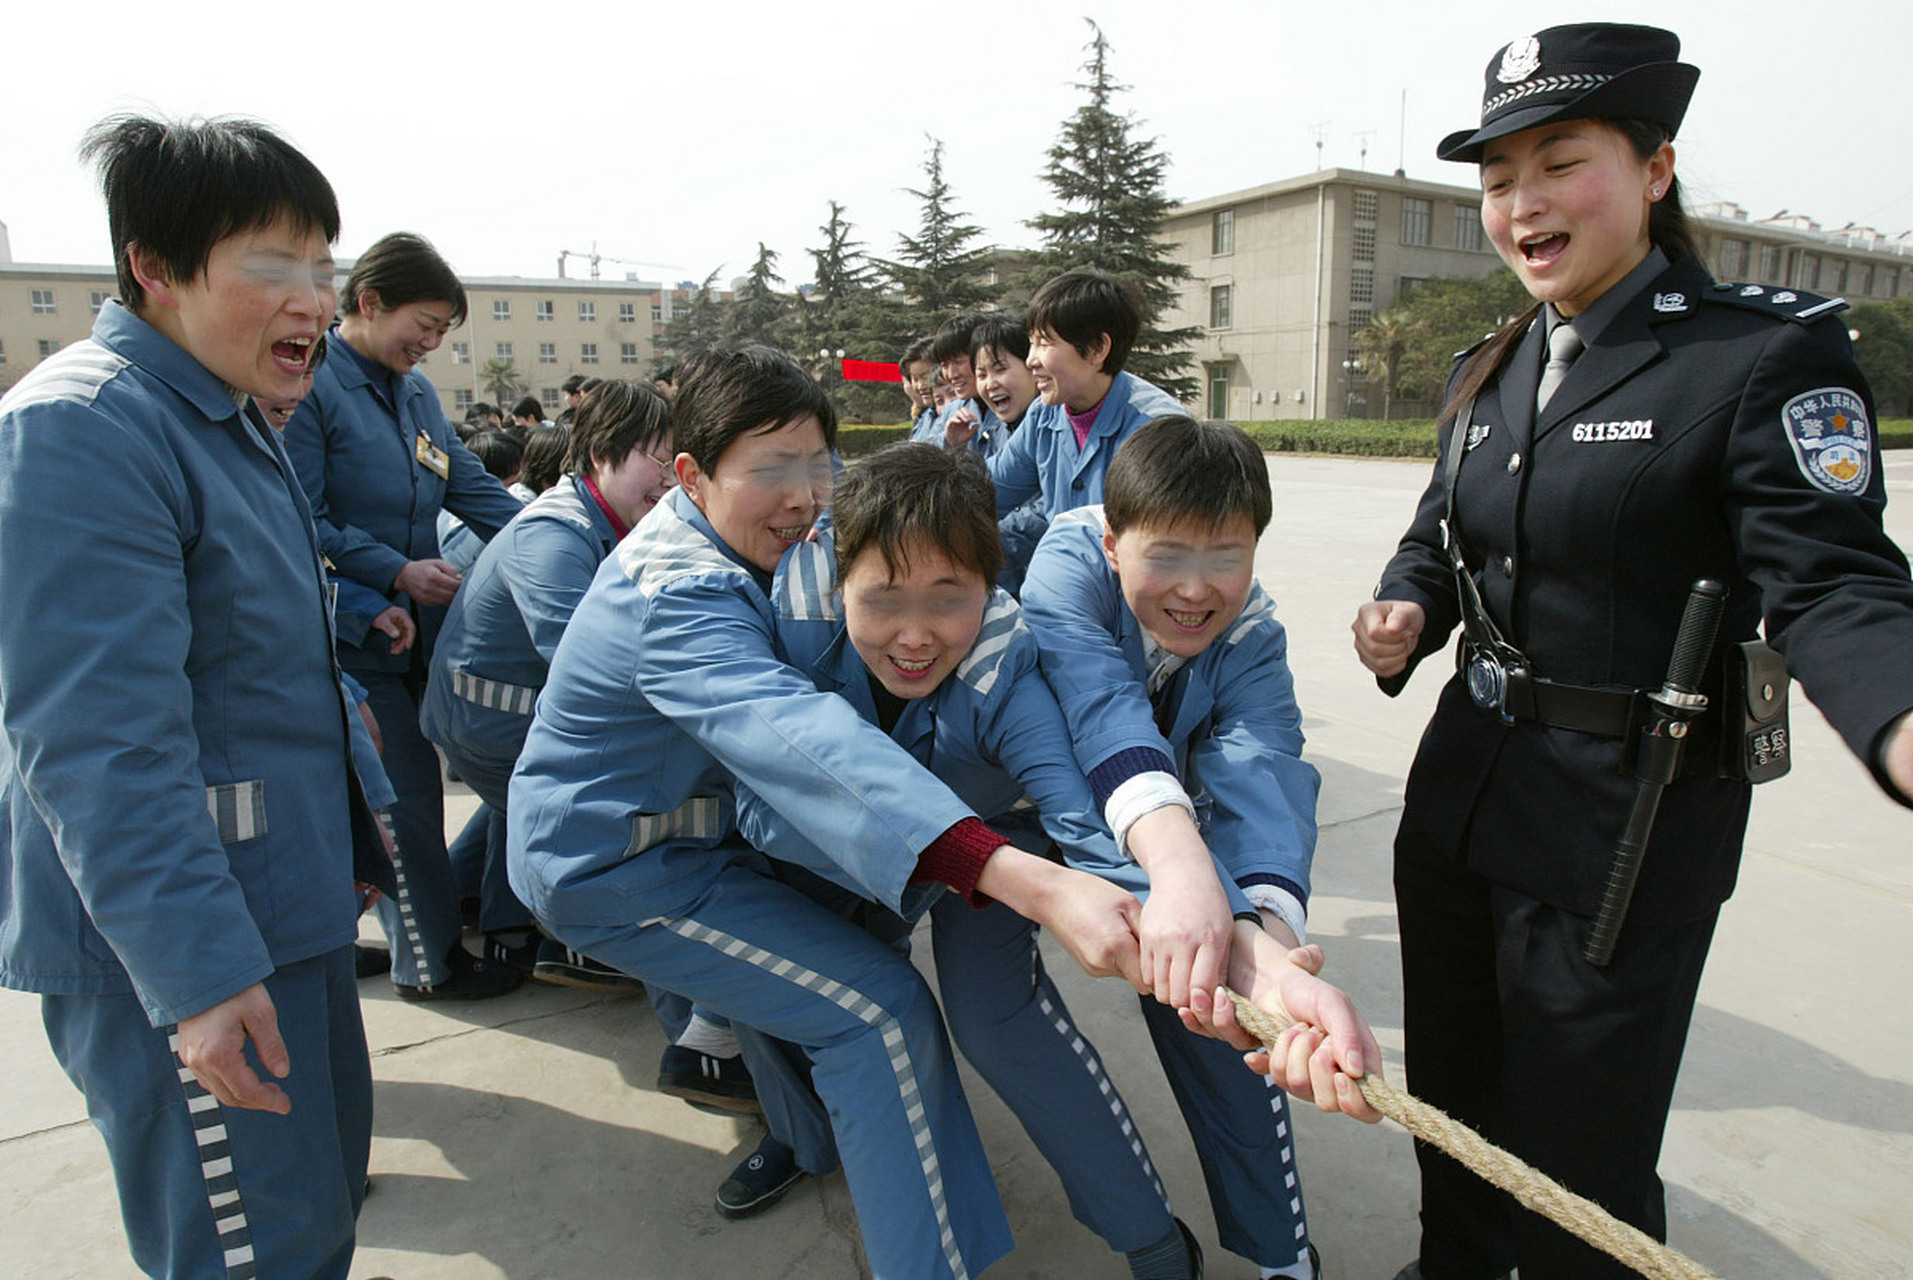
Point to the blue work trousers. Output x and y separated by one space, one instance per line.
754 950
421 921
208 1190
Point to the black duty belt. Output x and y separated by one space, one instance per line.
1606 712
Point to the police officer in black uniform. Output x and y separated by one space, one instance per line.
1640 429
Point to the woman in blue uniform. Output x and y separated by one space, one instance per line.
1641 428
378 461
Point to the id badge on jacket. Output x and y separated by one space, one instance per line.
433 458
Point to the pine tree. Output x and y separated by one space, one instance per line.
844 312
759 312
1110 185
698 327
938 269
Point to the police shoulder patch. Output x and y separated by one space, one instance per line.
1831 439
1786 304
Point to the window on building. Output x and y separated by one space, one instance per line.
627 313
587 313
3 353
588 353
461 398
627 353
1834 278
504 351
1361 285
461 353
43 302
48 346
501 308
97 299
1368 205
1770 256
1222 232
1364 243
1862 278
1218 391
548 397
1733 259
544 309
547 353
1468 228
1221 306
1806 271
1418 220
1889 284
1405 285
657 315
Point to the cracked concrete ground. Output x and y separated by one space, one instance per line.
524 1138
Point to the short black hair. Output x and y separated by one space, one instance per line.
404 268
176 188
952 338
732 392
1176 470
614 418
501 454
1005 335
916 493
586 386
1081 306
573 384
545 456
528 407
667 372
480 409
914 353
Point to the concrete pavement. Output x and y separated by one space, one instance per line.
523 1137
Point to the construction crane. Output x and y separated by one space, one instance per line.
594 258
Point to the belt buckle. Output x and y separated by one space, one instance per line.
1487 680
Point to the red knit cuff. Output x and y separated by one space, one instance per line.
957 856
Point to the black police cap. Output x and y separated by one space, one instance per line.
1590 70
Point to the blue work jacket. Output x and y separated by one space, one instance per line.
374 501
503 626
1229 720
179 807
992 731
1042 456
667 685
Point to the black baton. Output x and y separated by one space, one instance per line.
1677 703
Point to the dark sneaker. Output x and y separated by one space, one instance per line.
471 979
760 1181
371 961
722 1084
561 966
515 948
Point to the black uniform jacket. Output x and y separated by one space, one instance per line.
1664 456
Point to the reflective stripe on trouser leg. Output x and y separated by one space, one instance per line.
1239 1123
886 1025
401 920
215 1165
1013 1027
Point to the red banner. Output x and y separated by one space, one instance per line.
871 371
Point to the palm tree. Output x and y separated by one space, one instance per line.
501 382
1380 345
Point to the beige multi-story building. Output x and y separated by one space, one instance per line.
548 329
1286 274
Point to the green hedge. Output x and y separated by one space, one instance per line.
854 441
1346 437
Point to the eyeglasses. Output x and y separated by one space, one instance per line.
665 468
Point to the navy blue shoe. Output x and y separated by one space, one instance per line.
760 1181
710 1084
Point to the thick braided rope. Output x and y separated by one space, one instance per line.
1519 1179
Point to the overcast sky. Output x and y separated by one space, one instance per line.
677 136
